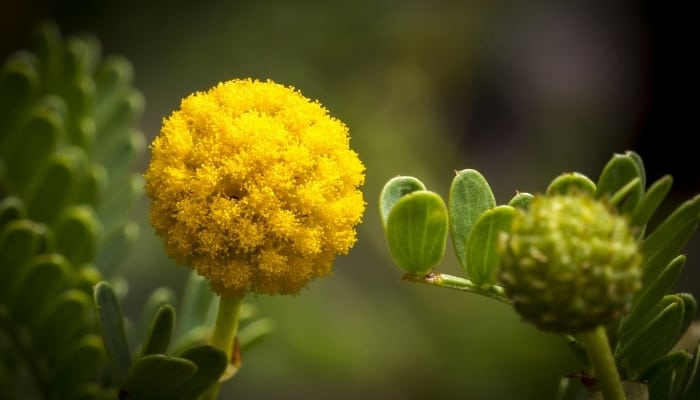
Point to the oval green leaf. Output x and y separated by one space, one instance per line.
153 377
617 173
158 337
470 195
395 189
417 231
482 247
111 321
78 232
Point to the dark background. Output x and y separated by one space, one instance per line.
521 91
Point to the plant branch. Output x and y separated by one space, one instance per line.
494 292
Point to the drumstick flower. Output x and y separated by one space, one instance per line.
255 187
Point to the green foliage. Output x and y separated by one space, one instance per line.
646 338
68 148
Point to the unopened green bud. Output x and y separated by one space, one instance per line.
569 263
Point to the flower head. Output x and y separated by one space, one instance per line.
255 187
570 264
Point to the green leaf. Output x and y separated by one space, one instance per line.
417 231
158 298
111 320
624 192
640 166
197 301
93 185
55 183
654 340
669 238
470 195
122 155
11 209
116 246
62 323
19 241
83 362
483 255
19 84
112 78
664 376
571 182
114 209
211 364
620 170
254 332
37 140
78 233
49 49
692 388
46 276
158 337
644 302
521 201
153 377
651 201
395 189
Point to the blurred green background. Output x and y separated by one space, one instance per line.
521 91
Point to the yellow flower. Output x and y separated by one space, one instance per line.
255 187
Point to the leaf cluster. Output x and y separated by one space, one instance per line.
417 221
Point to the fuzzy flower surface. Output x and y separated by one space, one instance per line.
570 264
255 187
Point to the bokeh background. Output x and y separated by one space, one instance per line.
521 91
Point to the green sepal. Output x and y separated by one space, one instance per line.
116 246
651 201
19 84
55 183
161 331
82 362
618 172
417 231
211 364
640 166
665 377
521 201
393 190
11 209
111 321
36 140
646 299
153 377
78 233
46 276
483 256
571 182
470 195
19 241
656 338
669 238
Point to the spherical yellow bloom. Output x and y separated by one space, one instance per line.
255 187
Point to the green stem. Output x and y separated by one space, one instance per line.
224 333
494 292
604 368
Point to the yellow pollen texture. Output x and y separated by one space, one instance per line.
255 187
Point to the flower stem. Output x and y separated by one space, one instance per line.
604 368
494 292
224 333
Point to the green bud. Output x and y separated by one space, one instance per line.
569 263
